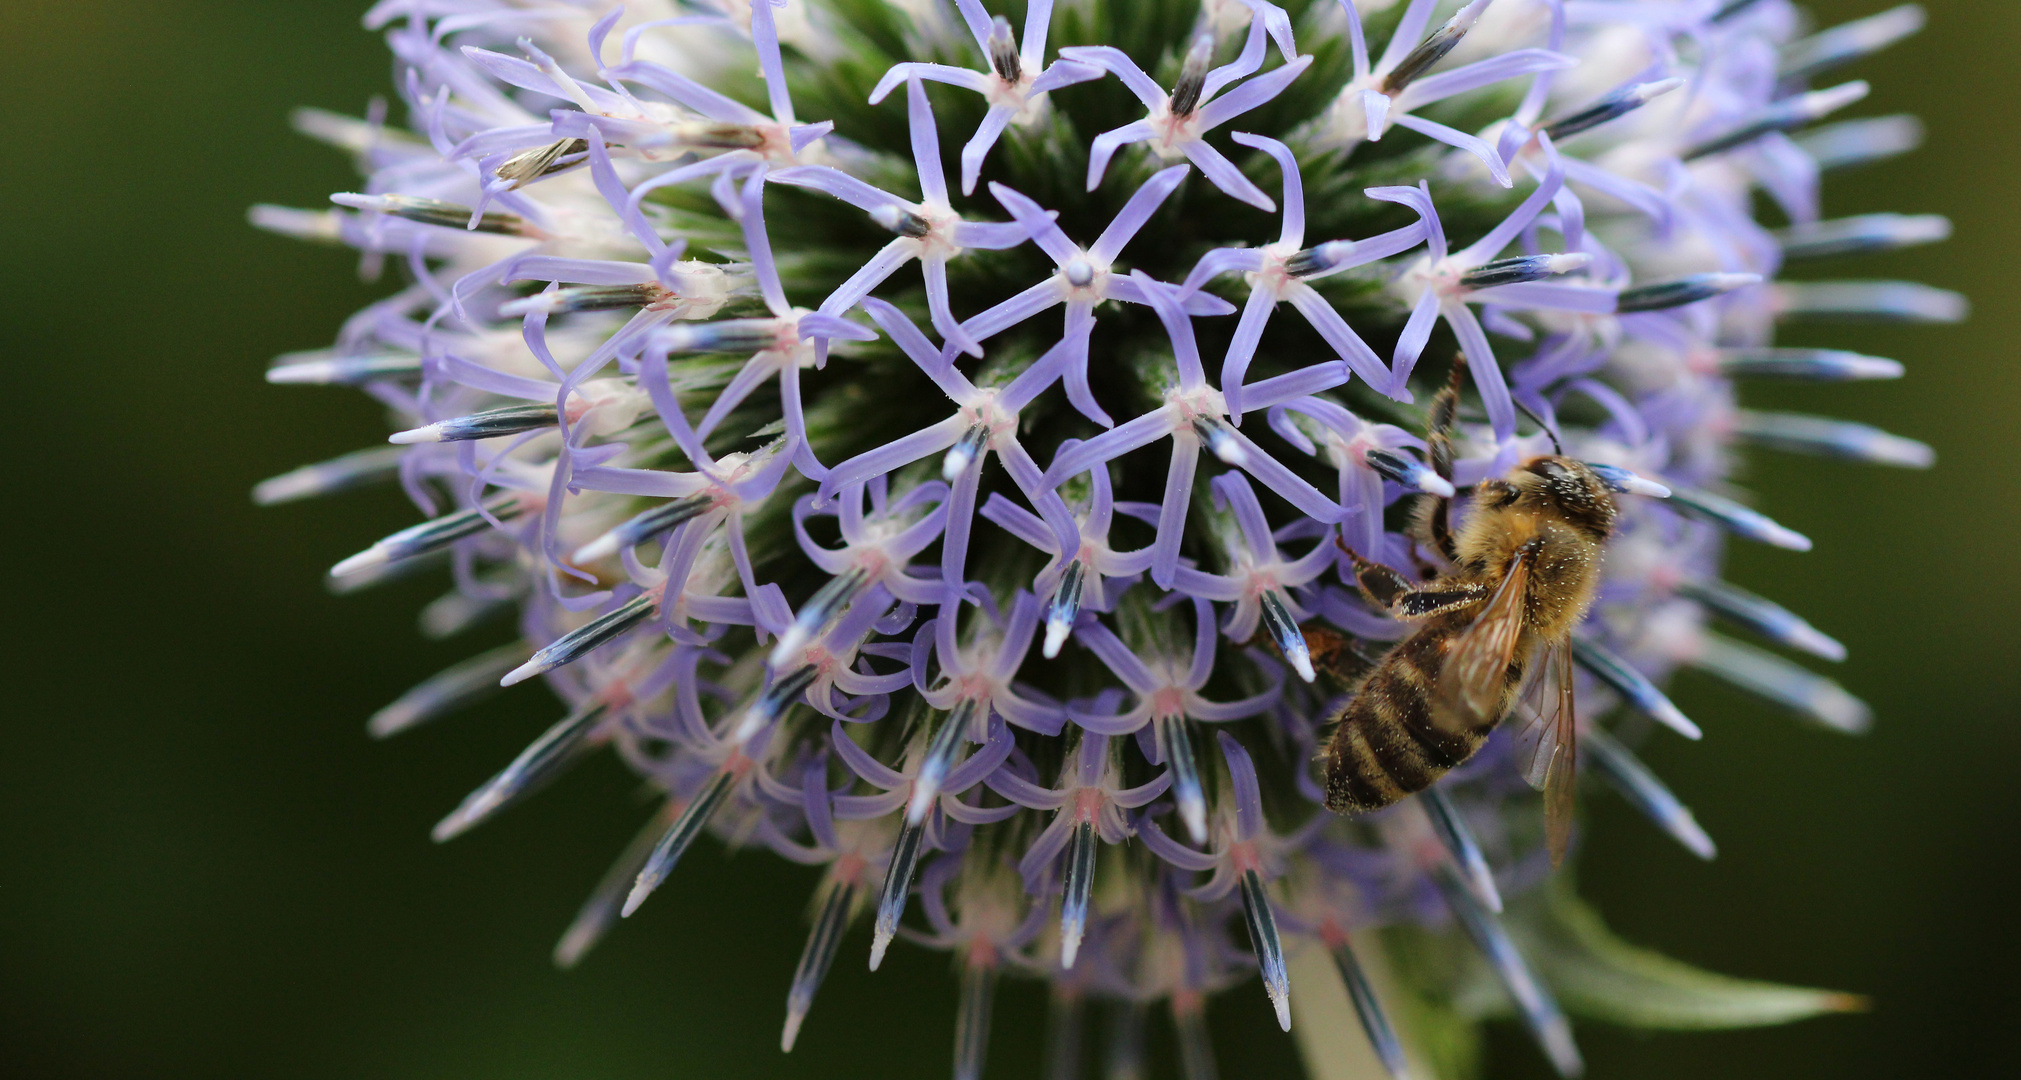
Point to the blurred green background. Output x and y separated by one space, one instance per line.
206 869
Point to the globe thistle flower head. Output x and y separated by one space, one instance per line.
1026 627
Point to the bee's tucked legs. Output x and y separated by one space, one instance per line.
1338 657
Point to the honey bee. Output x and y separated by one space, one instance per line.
1525 563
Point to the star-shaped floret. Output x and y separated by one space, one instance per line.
1282 273
1086 277
1015 85
1397 85
1178 122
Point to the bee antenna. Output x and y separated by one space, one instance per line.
1557 447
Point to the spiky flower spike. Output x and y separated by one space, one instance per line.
997 583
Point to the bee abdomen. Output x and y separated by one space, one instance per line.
1387 746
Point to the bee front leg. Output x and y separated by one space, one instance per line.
1439 453
1439 421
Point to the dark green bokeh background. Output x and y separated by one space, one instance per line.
208 870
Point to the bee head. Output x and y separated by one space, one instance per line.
1569 489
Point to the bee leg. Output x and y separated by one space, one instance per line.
1389 589
1379 583
1433 528
1339 656
1439 422
1437 599
1439 452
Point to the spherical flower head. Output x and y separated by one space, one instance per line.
983 585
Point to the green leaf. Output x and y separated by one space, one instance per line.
1598 975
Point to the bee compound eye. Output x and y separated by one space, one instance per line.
1549 468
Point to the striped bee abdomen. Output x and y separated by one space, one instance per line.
1386 744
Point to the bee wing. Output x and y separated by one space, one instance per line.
1561 777
1472 680
1547 749
1536 741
